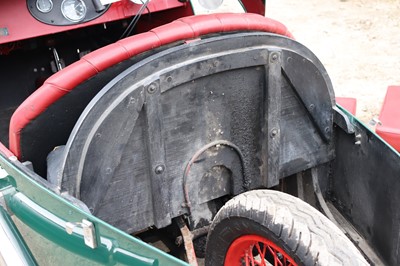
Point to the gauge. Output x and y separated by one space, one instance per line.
73 10
44 6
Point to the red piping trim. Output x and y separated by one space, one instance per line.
67 79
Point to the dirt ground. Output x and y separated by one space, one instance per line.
358 41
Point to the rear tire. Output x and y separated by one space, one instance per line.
287 228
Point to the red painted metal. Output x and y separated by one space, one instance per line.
350 104
389 127
254 6
67 79
256 250
20 24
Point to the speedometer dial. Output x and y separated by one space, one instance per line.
73 10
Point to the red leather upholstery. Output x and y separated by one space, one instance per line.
389 129
185 28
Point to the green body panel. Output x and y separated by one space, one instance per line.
40 216
15 240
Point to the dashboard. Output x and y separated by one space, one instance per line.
65 12
25 19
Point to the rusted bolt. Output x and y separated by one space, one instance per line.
159 169
274 132
152 88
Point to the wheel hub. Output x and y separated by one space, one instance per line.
256 250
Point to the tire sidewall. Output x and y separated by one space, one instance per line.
229 230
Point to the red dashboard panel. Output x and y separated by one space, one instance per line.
17 23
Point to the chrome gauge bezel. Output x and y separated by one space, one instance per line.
71 19
44 11
56 17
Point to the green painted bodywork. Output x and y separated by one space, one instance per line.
40 216
15 239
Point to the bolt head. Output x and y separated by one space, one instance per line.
152 88
159 169
274 57
274 132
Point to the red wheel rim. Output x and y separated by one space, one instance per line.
253 250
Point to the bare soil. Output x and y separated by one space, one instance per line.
358 41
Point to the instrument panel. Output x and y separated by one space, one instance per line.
65 12
25 19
